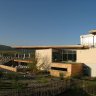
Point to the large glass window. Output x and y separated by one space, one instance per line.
56 55
64 55
69 55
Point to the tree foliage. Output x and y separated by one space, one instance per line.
33 65
38 63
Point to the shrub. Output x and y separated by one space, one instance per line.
61 75
1 74
12 76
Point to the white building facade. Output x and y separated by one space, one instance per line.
88 56
89 39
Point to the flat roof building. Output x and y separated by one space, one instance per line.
67 59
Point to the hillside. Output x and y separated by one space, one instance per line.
5 48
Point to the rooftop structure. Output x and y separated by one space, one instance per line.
93 31
89 39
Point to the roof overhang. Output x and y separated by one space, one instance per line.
53 47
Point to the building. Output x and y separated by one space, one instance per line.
57 59
70 60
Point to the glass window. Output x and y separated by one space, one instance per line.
64 55
68 55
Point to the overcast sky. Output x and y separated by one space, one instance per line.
45 22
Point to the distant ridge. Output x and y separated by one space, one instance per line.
5 48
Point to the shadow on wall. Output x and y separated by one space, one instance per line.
86 70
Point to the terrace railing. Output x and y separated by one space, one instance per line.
5 59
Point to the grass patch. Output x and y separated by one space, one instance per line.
74 92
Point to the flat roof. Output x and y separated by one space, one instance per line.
54 47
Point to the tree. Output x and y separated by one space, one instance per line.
33 65
45 64
38 63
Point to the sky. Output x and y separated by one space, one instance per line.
45 22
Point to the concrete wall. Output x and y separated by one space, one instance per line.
44 58
72 69
8 68
88 57
76 69
25 61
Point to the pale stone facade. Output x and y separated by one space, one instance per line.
88 57
44 58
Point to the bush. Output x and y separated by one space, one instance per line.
43 72
42 80
12 76
1 74
61 75
18 85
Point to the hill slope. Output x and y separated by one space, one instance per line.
5 48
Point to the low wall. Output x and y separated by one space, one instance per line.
25 61
8 68
69 69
